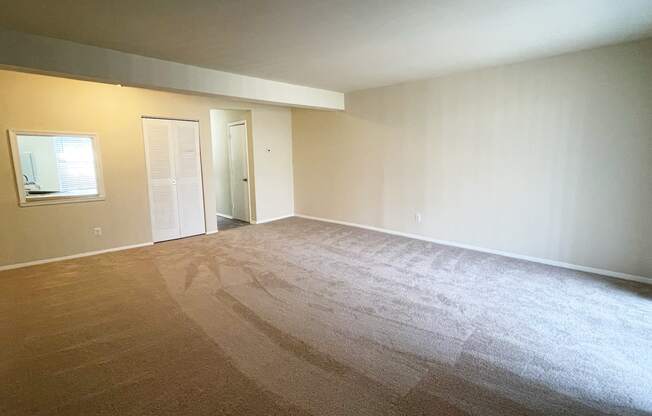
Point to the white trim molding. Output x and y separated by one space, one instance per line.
275 219
72 256
602 272
224 215
212 232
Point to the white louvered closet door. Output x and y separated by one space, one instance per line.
174 173
190 195
160 168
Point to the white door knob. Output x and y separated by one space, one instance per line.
174 181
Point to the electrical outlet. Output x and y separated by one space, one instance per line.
417 218
97 231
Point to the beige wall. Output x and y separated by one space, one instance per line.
273 153
550 158
36 102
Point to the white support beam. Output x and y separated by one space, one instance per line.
60 57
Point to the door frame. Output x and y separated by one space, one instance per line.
147 170
229 125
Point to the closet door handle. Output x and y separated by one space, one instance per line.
174 181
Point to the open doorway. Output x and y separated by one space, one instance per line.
233 168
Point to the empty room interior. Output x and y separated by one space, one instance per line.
304 207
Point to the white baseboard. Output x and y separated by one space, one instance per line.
224 215
571 266
272 219
211 232
73 256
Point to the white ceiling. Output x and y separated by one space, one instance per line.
342 45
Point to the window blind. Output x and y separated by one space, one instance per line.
75 164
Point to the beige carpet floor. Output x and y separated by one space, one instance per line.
300 317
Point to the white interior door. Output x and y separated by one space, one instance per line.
239 171
174 172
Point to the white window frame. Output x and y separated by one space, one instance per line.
26 201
